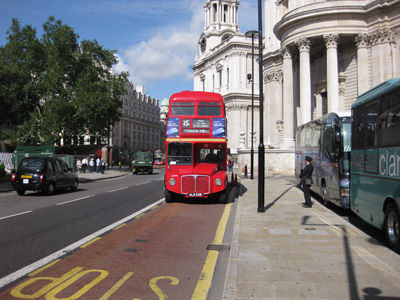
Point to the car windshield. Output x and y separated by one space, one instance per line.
34 165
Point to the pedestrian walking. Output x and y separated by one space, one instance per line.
91 165
102 166
306 181
98 165
230 164
84 164
78 165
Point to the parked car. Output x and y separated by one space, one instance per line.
45 174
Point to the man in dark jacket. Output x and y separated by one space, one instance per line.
304 175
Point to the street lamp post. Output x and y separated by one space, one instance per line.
261 147
253 34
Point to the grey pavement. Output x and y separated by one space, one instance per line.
292 252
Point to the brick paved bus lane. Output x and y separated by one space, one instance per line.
158 255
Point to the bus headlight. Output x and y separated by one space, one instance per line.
218 181
172 181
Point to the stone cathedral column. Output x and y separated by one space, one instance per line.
288 117
362 41
305 80
331 41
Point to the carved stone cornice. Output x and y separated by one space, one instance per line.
331 40
380 36
286 53
362 40
236 107
255 108
275 75
304 45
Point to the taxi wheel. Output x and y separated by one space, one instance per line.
21 192
75 187
50 189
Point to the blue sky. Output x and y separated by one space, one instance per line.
156 40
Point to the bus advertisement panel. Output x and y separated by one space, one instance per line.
375 165
195 146
328 141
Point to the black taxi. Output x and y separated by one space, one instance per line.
45 174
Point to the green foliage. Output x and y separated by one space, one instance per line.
54 87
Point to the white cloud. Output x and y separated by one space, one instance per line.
169 54
170 51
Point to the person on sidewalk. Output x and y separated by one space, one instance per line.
84 164
91 165
98 165
306 179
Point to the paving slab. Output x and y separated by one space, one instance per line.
292 252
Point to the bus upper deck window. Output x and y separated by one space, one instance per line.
209 109
182 109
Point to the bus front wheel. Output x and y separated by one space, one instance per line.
223 197
391 226
168 196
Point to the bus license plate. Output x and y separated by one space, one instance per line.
195 195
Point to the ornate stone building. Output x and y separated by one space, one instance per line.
318 57
222 66
139 128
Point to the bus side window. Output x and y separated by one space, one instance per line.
388 127
357 138
372 121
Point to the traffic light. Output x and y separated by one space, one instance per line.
120 150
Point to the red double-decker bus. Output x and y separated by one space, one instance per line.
195 144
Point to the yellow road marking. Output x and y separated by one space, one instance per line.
141 215
90 242
116 286
44 267
205 280
118 227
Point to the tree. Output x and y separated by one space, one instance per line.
55 88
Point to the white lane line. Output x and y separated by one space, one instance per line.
117 190
23 213
143 183
44 261
62 203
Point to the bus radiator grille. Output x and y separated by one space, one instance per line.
195 184
202 184
188 184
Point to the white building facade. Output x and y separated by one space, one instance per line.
222 66
318 57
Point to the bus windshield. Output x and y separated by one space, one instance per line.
180 153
